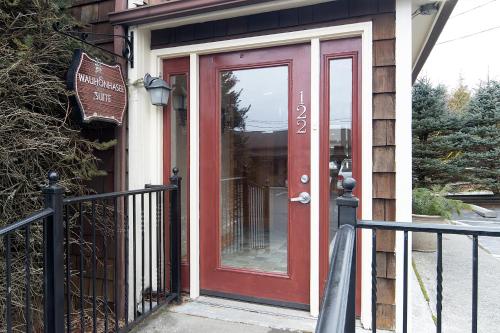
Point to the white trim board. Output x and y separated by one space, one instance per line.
315 159
313 36
403 137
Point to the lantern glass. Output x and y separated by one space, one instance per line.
158 89
159 96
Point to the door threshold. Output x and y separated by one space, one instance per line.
256 300
273 317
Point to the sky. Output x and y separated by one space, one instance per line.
265 90
473 58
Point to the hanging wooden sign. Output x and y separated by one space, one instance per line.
100 90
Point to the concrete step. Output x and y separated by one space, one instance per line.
248 313
216 315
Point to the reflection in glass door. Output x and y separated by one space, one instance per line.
340 133
254 169
178 146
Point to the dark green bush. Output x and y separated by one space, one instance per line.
433 202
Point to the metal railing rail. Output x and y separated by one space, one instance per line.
22 228
334 295
85 251
338 312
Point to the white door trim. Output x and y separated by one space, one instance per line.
403 137
194 175
313 36
315 158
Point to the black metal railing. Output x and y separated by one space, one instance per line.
108 260
20 232
336 295
338 312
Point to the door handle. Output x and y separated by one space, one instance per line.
303 197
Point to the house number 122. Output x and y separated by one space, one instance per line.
302 115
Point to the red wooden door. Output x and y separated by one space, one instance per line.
255 157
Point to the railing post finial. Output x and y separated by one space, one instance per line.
348 184
53 178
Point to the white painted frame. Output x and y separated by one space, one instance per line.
151 61
403 138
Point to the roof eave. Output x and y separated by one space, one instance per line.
174 9
438 27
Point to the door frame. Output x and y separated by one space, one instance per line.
274 288
151 61
348 48
180 67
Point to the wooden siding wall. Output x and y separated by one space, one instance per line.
384 164
382 14
94 13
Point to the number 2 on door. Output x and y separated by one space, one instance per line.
302 115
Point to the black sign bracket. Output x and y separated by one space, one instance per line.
82 36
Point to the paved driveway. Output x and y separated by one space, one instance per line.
490 244
457 285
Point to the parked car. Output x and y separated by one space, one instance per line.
344 172
333 166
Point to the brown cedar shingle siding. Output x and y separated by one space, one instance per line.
384 176
383 52
94 13
383 133
384 106
383 159
384 79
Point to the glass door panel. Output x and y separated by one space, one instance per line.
254 169
340 133
254 240
178 146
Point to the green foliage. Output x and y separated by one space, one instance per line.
433 202
451 147
479 139
431 124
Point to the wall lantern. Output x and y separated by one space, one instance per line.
158 89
